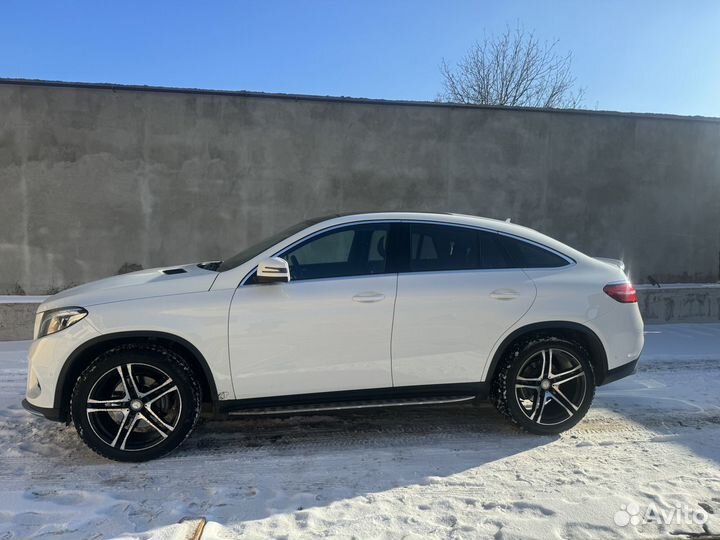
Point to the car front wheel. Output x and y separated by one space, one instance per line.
546 385
135 402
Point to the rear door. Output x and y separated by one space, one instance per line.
457 294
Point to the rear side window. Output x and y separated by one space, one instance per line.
527 255
435 248
492 253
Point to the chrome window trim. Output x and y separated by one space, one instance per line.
568 259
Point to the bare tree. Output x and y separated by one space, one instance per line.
512 69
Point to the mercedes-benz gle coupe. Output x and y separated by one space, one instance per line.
351 311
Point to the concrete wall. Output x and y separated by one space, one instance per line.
680 304
16 321
94 178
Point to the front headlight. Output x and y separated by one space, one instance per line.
59 319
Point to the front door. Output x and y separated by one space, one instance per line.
326 330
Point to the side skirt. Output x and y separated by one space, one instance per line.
358 399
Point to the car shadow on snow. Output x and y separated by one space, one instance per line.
288 463
382 427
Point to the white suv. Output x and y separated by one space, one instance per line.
351 311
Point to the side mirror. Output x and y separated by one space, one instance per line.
273 270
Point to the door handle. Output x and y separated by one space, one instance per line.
367 297
504 294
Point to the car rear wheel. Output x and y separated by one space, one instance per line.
546 385
135 402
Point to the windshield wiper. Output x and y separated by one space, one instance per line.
210 265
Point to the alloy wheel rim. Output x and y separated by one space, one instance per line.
134 406
551 386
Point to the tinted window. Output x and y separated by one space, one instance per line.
330 249
492 253
350 251
444 247
527 255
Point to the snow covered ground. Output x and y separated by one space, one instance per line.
454 472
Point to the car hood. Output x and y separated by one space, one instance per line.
181 279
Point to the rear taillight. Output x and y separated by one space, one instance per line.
622 292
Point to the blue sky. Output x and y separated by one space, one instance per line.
631 55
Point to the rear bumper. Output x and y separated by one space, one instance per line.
50 414
621 371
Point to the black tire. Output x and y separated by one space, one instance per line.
541 400
135 402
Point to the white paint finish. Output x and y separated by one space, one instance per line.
135 285
621 330
574 294
199 318
311 336
446 323
274 268
46 358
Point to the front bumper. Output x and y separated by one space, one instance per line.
50 414
46 359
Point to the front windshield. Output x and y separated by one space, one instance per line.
255 250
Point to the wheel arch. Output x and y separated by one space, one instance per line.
85 353
564 329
